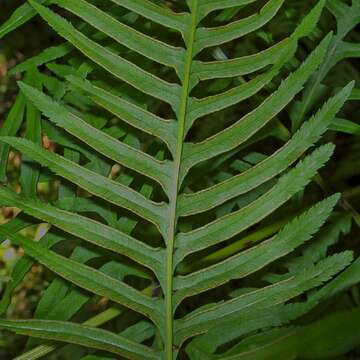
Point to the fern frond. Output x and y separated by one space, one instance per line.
157 168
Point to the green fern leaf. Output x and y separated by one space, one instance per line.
160 182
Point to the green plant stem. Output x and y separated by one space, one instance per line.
169 336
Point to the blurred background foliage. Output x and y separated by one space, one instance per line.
342 174
23 43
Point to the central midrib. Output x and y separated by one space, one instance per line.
173 196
